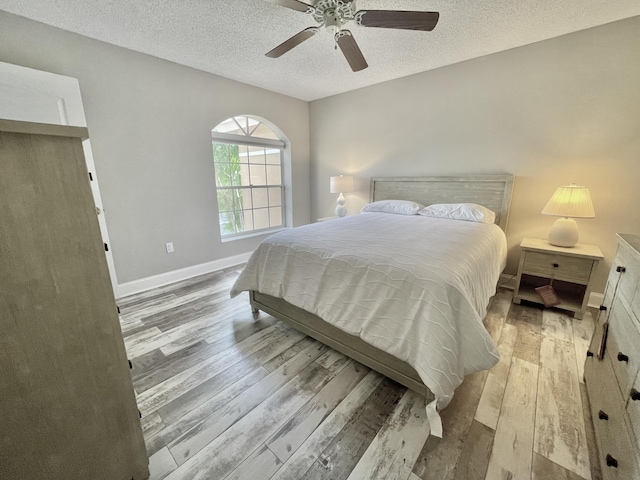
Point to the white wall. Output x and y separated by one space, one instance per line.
551 113
150 122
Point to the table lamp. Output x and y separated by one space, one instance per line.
341 184
568 202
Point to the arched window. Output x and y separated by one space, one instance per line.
248 161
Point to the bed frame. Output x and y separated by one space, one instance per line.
491 191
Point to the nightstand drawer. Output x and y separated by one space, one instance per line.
560 267
622 347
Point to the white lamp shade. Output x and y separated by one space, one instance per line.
572 201
341 184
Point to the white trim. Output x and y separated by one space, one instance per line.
266 152
242 140
252 233
147 283
596 299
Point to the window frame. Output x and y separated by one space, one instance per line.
249 141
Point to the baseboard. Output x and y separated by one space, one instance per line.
596 299
144 284
507 281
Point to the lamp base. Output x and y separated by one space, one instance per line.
564 233
341 210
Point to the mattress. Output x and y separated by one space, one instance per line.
415 287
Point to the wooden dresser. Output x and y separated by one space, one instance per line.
67 405
612 366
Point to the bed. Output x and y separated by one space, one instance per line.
427 334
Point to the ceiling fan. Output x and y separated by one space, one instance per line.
333 14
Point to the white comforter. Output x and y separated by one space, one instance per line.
413 286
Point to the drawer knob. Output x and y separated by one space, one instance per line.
611 462
620 269
589 353
635 394
603 308
555 265
622 357
602 415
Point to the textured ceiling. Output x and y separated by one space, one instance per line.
230 37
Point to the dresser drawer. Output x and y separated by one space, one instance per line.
635 306
633 409
628 258
615 441
609 290
601 387
623 347
569 269
618 454
596 339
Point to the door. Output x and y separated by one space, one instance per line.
36 96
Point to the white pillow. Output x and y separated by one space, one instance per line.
400 207
470 212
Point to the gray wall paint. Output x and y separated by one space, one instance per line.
150 122
559 111
551 113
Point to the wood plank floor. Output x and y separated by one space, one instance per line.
225 394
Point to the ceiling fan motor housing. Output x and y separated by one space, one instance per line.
333 13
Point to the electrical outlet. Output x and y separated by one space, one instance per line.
169 246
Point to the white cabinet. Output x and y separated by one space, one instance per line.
612 367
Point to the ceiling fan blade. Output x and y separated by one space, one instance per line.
425 21
294 5
351 51
294 41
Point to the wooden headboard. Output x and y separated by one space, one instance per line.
491 191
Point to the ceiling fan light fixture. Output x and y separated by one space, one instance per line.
333 22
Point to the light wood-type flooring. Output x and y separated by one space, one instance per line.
225 394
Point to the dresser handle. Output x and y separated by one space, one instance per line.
602 415
622 357
589 353
603 308
555 265
621 269
635 394
611 462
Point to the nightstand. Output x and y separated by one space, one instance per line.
324 219
571 270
